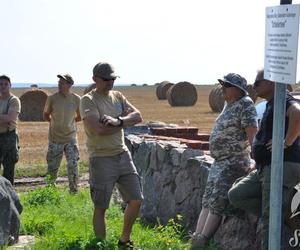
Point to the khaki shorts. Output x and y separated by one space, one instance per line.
105 172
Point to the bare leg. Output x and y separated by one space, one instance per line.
130 214
211 225
201 220
99 223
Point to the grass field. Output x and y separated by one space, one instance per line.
33 135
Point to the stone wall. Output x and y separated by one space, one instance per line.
170 175
174 179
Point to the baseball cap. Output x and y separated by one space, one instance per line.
105 70
67 77
235 80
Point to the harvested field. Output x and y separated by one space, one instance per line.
33 135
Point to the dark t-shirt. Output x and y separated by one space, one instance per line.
261 155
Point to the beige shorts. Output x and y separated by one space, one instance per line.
105 172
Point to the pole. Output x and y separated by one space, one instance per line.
277 167
275 217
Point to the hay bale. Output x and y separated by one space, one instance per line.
182 94
145 85
133 85
32 105
161 90
297 89
89 88
216 99
289 88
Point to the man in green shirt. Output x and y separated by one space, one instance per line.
10 107
62 112
105 113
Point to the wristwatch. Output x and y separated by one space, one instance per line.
121 121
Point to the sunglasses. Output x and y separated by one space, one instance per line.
227 85
108 79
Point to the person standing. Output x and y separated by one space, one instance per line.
105 113
230 142
252 193
10 107
62 112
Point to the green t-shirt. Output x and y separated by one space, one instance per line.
62 108
14 105
95 104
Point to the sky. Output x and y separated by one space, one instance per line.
146 41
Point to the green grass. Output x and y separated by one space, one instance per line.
38 170
63 221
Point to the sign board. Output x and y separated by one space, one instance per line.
281 43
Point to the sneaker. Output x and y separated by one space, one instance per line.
125 245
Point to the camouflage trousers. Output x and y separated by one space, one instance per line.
252 193
54 157
220 179
9 154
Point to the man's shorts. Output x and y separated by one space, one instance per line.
105 172
220 179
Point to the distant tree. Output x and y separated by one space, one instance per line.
34 86
145 84
133 85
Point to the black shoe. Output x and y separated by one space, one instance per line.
125 245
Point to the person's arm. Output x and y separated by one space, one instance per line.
293 131
98 128
47 110
251 132
133 117
77 117
130 117
8 118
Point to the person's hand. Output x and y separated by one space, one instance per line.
269 145
109 121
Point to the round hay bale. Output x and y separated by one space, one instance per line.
297 89
32 105
161 90
216 99
133 85
289 88
182 94
89 88
145 85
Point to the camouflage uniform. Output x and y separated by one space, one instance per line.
62 134
54 157
9 153
230 148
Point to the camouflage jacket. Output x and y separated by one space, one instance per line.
228 137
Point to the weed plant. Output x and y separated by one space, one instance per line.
60 220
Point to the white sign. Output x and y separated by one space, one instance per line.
281 43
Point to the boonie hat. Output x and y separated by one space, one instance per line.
235 80
104 70
67 77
